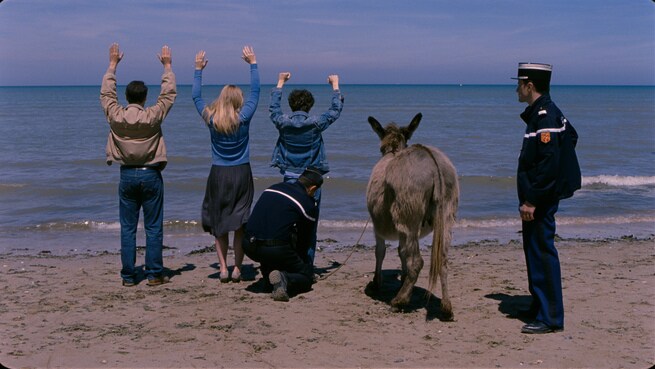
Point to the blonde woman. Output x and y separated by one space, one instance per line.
230 188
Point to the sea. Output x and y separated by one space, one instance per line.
58 195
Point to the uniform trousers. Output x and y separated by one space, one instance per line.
544 275
284 258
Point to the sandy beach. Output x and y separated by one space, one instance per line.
72 312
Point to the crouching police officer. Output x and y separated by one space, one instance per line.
279 232
548 171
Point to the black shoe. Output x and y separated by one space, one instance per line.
537 327
157 281
279 282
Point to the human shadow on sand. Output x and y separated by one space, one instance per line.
324 272
167 272
420 298
512 306
260 285
175 272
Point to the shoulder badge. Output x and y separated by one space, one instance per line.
542 111
545 137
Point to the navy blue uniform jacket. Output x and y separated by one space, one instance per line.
548 168
283 209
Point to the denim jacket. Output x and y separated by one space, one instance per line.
300 142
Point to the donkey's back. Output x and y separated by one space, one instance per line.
405 189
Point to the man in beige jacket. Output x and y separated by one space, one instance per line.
136 143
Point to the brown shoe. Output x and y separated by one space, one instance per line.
158 281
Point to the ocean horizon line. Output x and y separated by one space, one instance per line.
350 84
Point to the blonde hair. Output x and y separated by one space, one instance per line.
224 111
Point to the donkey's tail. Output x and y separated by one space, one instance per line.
440 241
445 200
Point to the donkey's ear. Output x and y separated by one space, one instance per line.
409 130
377 127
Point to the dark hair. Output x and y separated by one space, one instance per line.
136 92
543 87
311 177
301 100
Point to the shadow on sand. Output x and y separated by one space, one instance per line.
420 298
513 306
170 273
260 286
248 272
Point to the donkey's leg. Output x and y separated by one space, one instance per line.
380 252
412 262
403 264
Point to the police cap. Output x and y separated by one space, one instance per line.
535 72
311 177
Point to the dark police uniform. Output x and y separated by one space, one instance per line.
548 171
279 232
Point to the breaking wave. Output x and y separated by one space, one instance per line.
618 181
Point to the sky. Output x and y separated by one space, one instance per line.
588 42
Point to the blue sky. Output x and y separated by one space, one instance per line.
66 42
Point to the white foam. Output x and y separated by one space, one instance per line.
12 185
618 181
505 222
105 226
499 223
79 225
343 224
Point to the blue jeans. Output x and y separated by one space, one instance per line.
139 188
311 251
544 275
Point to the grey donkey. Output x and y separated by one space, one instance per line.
412 192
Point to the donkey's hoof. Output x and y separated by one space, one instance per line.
447 316
399 303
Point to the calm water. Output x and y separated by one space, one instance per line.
56 192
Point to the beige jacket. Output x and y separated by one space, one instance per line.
135 136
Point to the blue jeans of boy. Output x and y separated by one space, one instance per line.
141 188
